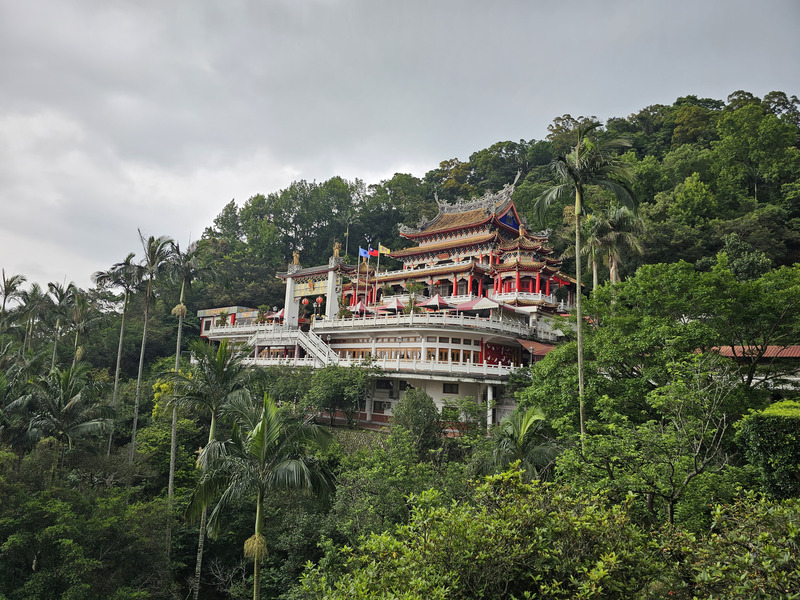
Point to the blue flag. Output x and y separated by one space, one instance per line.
362 252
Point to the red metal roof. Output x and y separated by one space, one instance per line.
536 348
769 352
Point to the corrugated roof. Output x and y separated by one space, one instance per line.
536 348
769 351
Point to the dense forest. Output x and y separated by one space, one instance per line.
128 473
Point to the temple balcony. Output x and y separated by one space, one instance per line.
431 319
460 370
531 297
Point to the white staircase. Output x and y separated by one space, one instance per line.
285 336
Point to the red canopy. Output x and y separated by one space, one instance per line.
436 302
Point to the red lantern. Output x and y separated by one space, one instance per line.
305 301
319 299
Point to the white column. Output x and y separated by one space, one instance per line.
291 305
332 299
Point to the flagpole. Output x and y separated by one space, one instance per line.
377 268
358 267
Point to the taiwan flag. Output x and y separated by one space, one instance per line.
373 252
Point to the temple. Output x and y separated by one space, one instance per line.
474 299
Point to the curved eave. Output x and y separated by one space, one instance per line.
440 246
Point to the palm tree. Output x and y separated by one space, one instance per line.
62 298
64 406
623 230
266 452
10 288
218 376
156 254
515 440
35 302
84 316
588 164
125 275
184 267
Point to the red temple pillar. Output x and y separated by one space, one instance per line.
547 287
538 282
517 289
480 286
469 285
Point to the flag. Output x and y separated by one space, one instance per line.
383 249
372 252
363 253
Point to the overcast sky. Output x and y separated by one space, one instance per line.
125 114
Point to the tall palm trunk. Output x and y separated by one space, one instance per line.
141 369
259 547
579 310
55 343
201 539
173 445
116 371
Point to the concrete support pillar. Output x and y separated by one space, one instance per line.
331 297
291 305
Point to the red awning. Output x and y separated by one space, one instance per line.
536 348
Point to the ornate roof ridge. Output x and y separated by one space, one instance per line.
491 203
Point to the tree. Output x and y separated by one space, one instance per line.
10 288
35 302
340 389
64 406
84 316
62 299
511 540
417 413
184 268
218 376
624 230
588 164
516 440
156 255
127 276
266 452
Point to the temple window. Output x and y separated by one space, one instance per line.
450 388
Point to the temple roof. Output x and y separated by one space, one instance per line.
462 242
465 214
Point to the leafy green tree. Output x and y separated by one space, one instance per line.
340 389
265 453
513 540
693 203
769 439
417 413
588 164
750 551
683 436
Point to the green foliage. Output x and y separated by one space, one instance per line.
751 551
513 540
339 389
771 442
416 412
